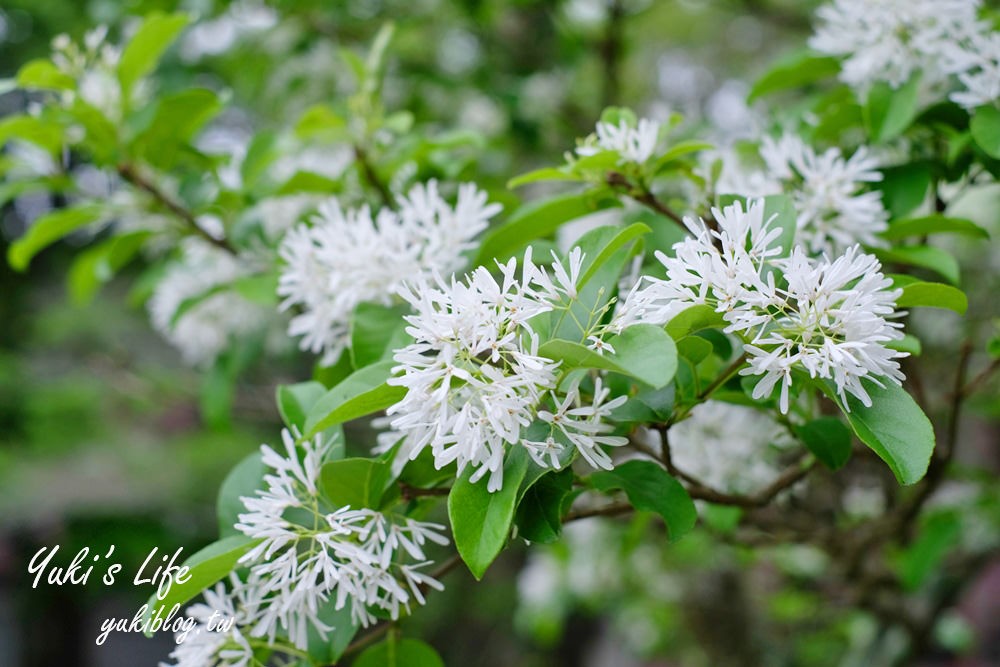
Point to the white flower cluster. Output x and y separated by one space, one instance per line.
834 212
474 378
827 318
634 144
94 67
890 40
325 555
217 640
207 325
348 257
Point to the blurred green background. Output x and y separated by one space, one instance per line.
101 436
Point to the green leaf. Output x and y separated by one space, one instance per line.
480 520
328 650
178 118
828 440
888 111
295 400
399 653
908 343
205 568
642 351
926 257
356 482
679 150
985 128
546 174
694 319
320 121
894 427
97 265
537 220
43 75
617 242
933 224
361 393
376 331
649 488
146 47
780 210
242 481
904 188
539 513
937 537
39 131
798 71
933 295
48 229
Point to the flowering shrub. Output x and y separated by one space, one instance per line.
738 326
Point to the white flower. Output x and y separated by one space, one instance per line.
634 144
832 211
978 69
217 640
207 325
833 323
472 374
580 423
889 40
349 257
830 319
324 555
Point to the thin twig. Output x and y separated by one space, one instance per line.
619 182
131 175
981 378
613 509
409 492
373 180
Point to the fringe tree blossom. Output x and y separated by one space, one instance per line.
324 555
890 40
978 69
635 144
475 380
207 325
347 257
834 212
827 318
217 640
94 65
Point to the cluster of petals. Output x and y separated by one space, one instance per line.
347 257
633 143
333 556
473 375
828 318
217 639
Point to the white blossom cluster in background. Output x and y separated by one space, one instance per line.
201 322
892 40
634 144
94 67
829 318
834 211
346 257
311 555
474 378
218 638
730 447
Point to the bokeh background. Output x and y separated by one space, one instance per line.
106 437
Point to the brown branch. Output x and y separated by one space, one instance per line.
373 179
129 173
976 383
613 509
611 51
620 182
409 492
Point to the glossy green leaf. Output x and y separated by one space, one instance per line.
146 47
539 175
894 427
649 488
97 265
800 70
642 351
889 111
362 393
933 295
539 512
537 220
399 653
48 229
355 482
828 439
376 331
206 567
243 480
480 520
904 188
985 128
44 75
694 319
933 224
927 257
295 401
622 238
